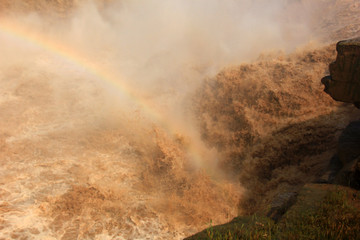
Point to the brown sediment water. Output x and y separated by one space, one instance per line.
114 124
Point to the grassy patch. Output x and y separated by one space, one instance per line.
321 212
242 228
334 218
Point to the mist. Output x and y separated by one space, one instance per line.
159 50
103 95
165 45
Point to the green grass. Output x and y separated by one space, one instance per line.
321 212
334 218
243 228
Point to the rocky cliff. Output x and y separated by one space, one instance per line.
343 84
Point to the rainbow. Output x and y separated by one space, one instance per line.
55 47
25 33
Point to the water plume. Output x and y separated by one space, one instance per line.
100 136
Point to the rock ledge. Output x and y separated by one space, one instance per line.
343 84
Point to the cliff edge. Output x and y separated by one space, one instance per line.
343 84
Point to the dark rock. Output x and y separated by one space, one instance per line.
343 84
348 156
350 175
332 170
349 143
281 204
334 167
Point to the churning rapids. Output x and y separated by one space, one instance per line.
115 123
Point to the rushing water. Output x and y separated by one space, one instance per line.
102 112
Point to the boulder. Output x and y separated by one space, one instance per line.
343 84
349 143
349 156
332 171
280 204
350 175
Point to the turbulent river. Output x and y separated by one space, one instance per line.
114 124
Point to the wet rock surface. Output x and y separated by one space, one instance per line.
349 156
281 203
350 175
349 143
343 84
